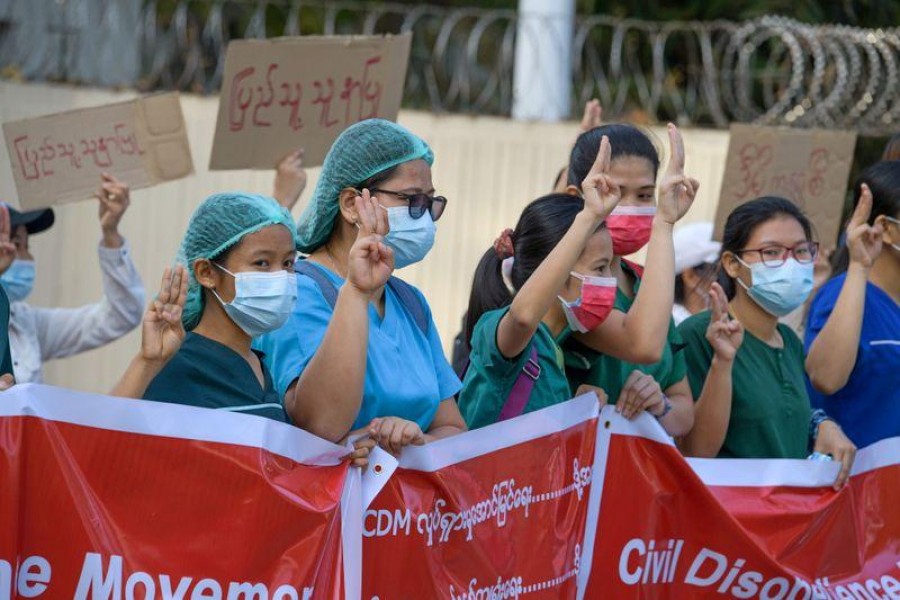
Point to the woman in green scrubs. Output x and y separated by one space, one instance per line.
745 368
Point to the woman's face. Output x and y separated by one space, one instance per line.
594 261
268 250
413 177
770 238
635 178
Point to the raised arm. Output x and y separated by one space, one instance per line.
712 411
538 294
327 397
832 355
639 335
161 335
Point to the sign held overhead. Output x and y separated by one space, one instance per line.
809 167
286 93
59 158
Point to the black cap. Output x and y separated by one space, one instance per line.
35 221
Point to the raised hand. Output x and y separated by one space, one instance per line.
114 197
7 248
676 190
723 334
593 115
601 193
162 331
864 241
290 179
371 262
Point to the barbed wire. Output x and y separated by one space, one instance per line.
772 70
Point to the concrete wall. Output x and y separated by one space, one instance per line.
488 168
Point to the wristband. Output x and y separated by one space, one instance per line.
667 406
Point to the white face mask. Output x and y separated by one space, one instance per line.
897 223
262 302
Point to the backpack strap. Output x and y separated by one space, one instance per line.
327 287
521 390
411 302
405 292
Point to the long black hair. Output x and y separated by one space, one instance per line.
883 179
744 220
624 140
542 225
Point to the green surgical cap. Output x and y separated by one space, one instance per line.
361 151
217 225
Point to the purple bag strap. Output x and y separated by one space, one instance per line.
521 390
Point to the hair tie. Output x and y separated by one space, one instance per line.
506 272
503 245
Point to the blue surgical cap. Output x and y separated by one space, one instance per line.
361 151
217 225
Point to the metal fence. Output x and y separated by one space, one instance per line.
772 70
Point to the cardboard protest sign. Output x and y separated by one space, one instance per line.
58 158
807 166
286 93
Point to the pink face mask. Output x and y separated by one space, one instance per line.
629 227
598 296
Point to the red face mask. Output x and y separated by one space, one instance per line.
598 295
629 227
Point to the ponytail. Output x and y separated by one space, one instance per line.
542 225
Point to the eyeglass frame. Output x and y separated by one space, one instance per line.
786 252
427 206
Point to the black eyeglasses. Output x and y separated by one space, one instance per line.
419 203
774 256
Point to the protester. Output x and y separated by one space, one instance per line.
746 368
41 334
632 355
553 269
238 254
356 324
7 256
853 335
591 118
696 264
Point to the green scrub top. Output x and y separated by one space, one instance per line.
208 374
6 364
770 409
584 365
491 376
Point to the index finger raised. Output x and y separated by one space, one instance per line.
676 150
863 208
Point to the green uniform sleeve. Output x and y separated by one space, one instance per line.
679 365
6 364
697 354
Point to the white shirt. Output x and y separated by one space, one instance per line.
40 334
680 313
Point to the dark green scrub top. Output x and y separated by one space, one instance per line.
584 365
6 364
770 409
491 376
208 374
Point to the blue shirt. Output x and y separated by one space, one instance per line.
407 375
868 406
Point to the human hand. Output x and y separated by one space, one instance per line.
162 331
601 193
831 440
393 433
677 191
723 334
371 262
290 179
864 241
640 393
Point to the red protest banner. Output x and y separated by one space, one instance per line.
496 513
107 498
773 529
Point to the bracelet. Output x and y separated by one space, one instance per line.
667 406
817 417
